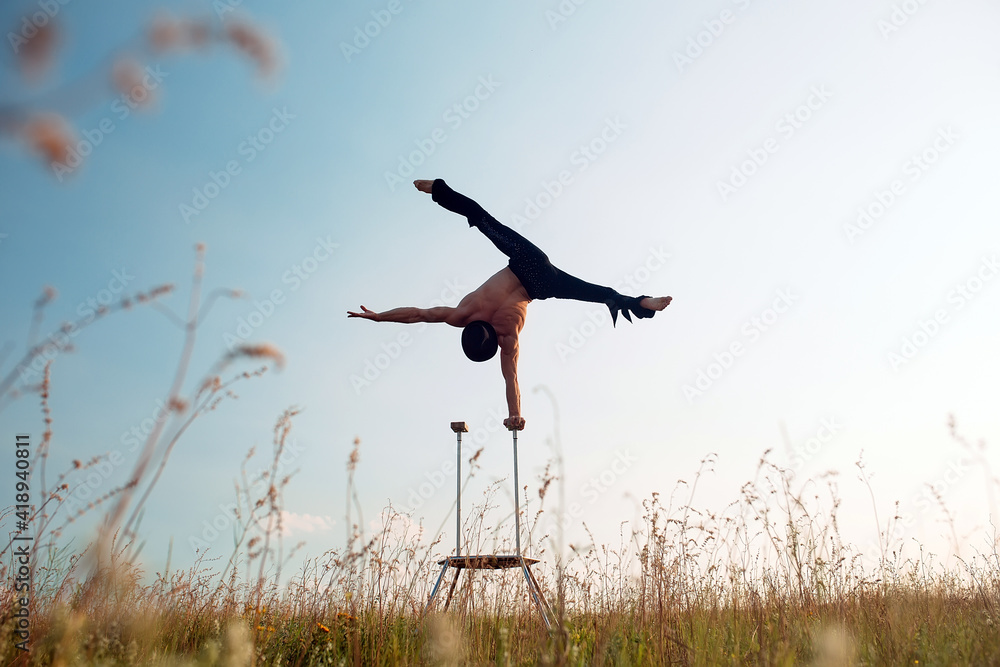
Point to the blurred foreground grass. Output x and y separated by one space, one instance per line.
671 594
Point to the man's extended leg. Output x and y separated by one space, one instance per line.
566 286
540 278
504 238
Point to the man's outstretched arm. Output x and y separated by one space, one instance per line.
406 315
508 366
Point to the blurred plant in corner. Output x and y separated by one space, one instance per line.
40 116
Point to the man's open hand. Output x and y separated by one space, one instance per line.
365 313
515 423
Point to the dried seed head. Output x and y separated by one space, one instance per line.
51 136
35 53
254 43
128 77
262 350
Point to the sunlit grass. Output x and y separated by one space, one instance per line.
768 580
683 588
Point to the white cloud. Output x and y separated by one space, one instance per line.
293 523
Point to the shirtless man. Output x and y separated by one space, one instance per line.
500 304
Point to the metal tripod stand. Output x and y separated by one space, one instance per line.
492 561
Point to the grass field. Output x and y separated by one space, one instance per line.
757 585
767 581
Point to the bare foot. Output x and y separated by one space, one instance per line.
424 185
656 303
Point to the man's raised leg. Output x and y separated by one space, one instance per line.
504 238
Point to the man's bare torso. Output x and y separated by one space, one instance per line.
501 300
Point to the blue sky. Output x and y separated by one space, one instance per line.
723 153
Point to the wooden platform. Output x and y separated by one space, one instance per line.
487 562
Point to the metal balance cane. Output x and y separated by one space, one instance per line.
491 561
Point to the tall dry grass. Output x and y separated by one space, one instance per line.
684 587
768 580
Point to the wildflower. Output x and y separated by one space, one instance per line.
128 77
164 32
255 44
264 350
322 627
49 294
35 52
50 135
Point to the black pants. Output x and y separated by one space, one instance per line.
532 267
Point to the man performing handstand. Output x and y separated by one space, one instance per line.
493 314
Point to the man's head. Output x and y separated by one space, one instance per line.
479 340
